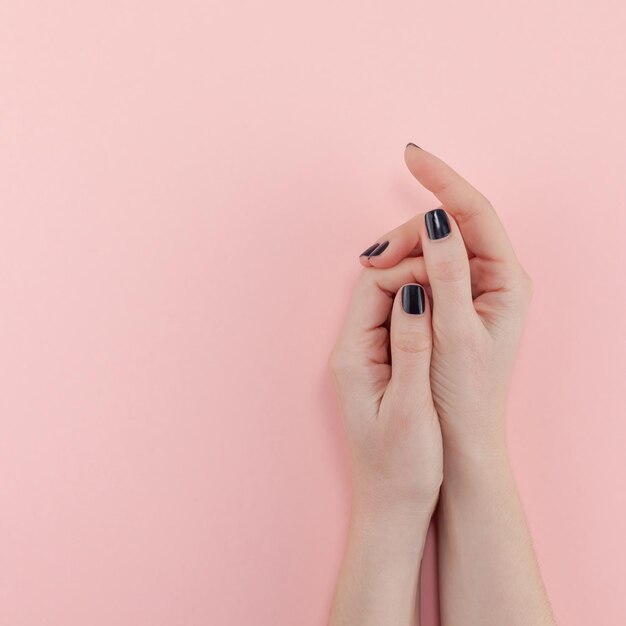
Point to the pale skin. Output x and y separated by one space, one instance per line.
423 400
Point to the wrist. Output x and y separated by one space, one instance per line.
483 441
395 507
475 470
392 533
404 521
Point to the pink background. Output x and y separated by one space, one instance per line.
185 188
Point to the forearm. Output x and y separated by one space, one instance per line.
487 567
379 576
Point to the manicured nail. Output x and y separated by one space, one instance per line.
369 250
411 144
379 250
413 300
437 224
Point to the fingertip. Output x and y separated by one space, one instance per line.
412 303
372 256
365 255
416 160
437 224
413 299
410 333
410 152
378 250
385 261
390 256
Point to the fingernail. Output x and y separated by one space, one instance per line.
369 250
437 224
379 250
413 300
411 144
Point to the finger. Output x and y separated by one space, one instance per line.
411 344
364 338
395 245
482 230
448 268
374 292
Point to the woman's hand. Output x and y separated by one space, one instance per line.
480 294
381 369
381 365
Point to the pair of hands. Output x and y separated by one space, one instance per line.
417 388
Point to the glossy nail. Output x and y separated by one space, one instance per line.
379 250
413 299
411 144
369 250
437 224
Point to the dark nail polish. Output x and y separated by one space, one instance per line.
411 144
413 299
379 250
369 250
437 224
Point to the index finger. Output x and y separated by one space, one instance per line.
482 230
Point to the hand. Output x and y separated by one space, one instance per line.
480 294
380 366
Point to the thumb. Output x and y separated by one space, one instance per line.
411 346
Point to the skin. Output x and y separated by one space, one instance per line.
423 401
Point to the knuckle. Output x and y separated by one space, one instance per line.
410 341
528 285
524 287
454 336
451 270
336 361
343 363
457 334
367 279
477 203
368 274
